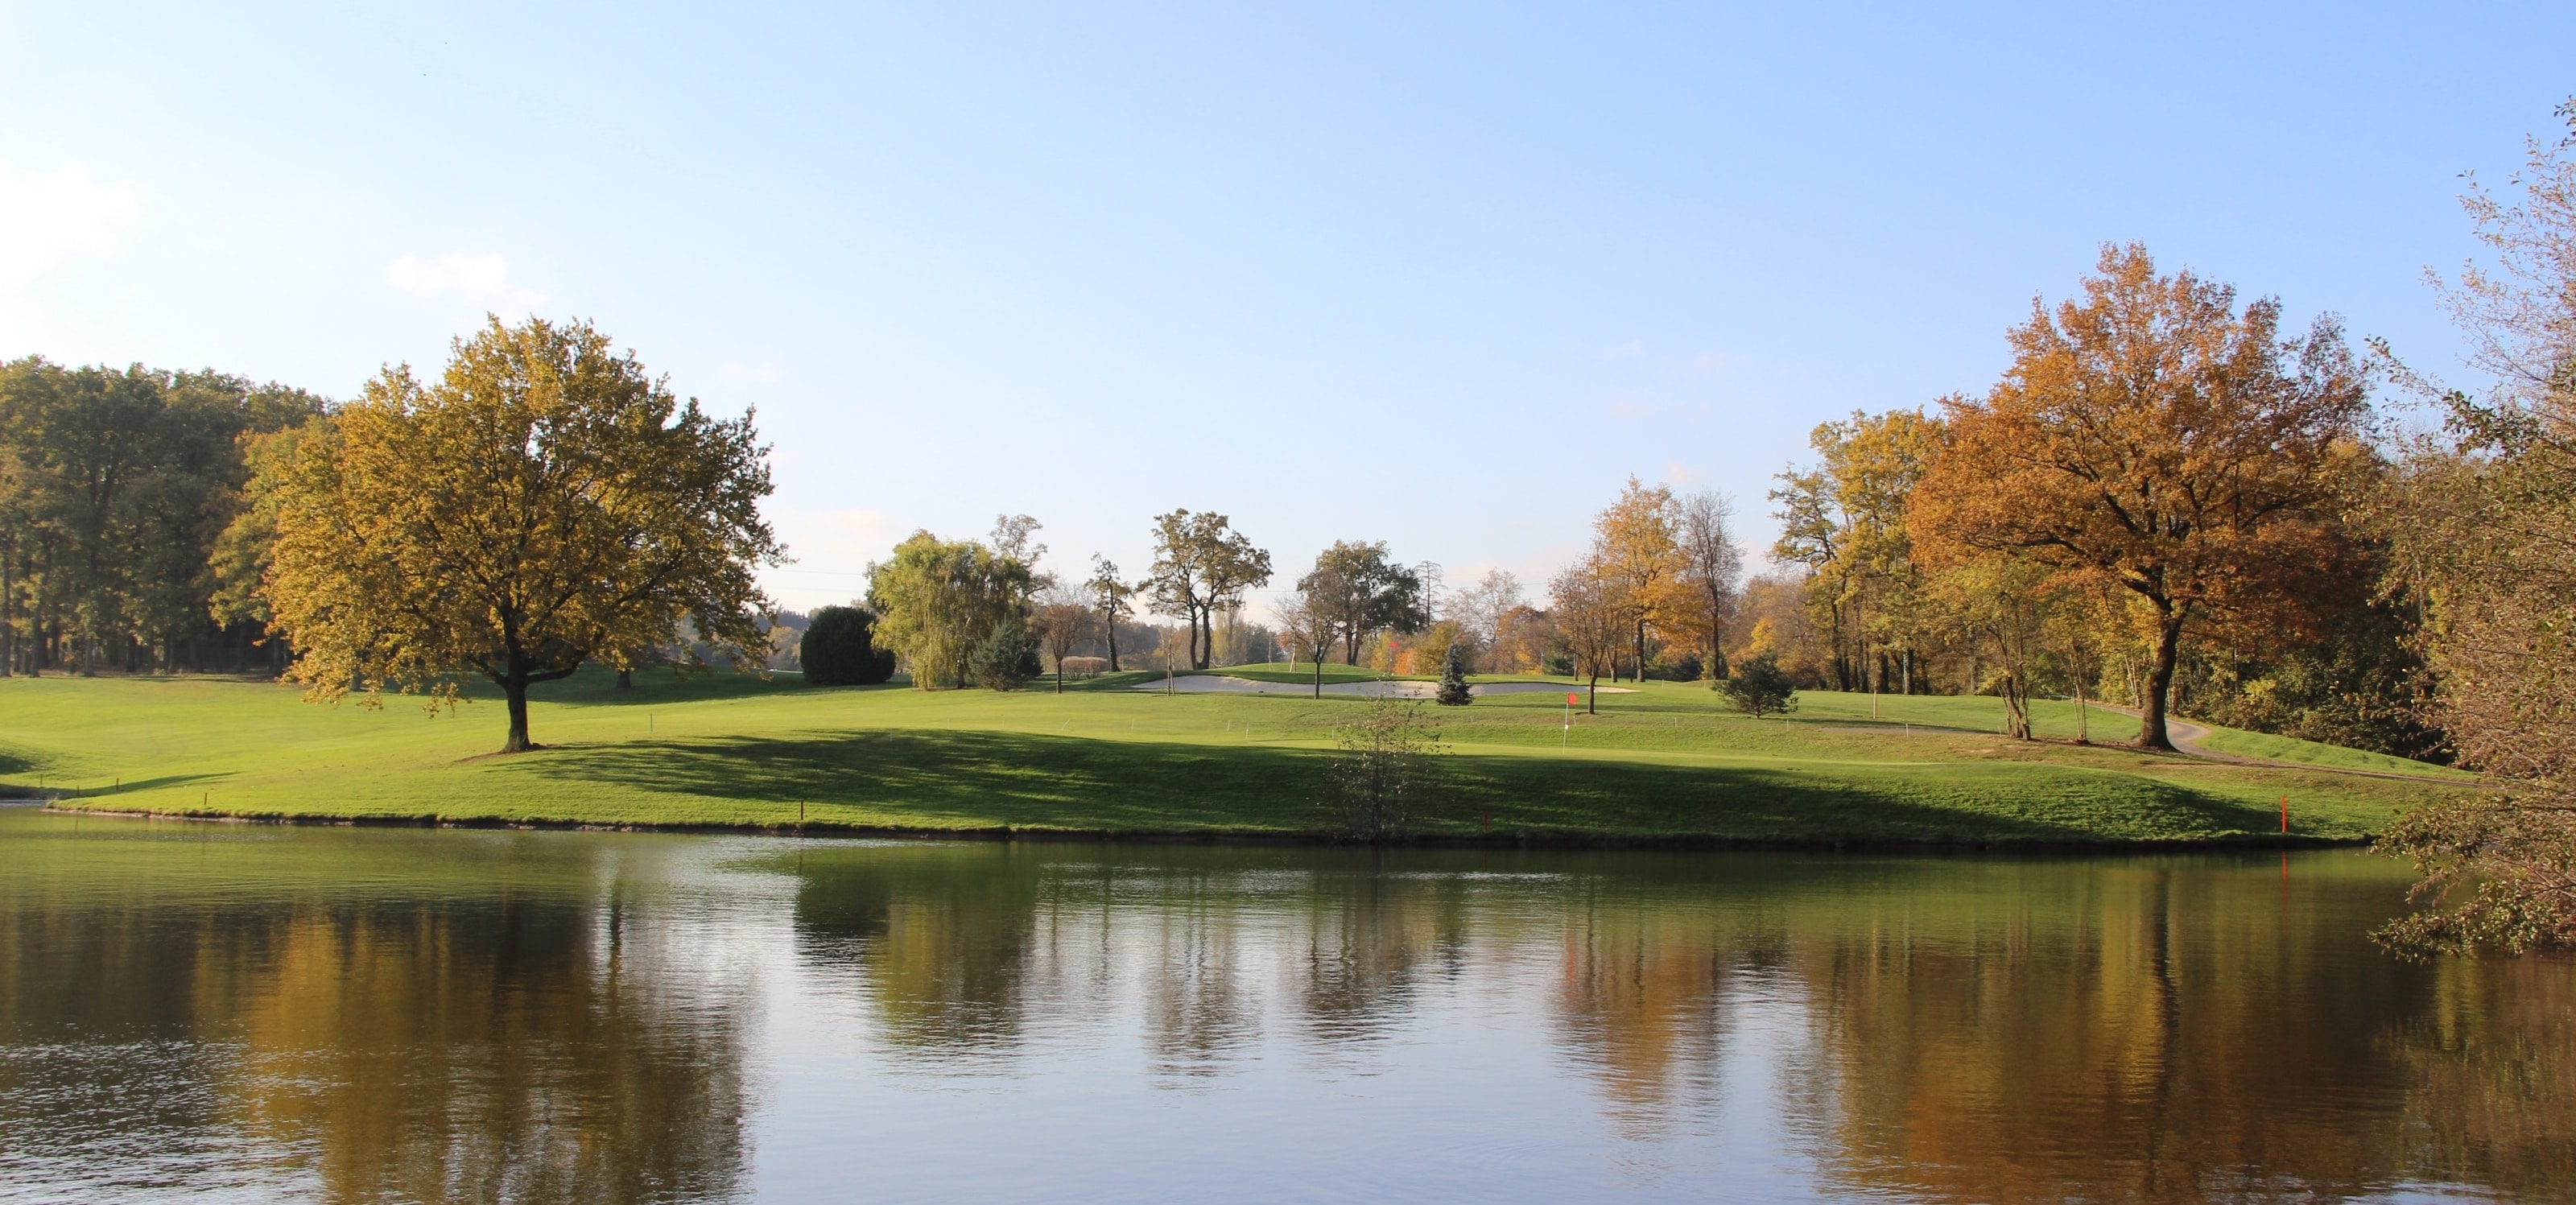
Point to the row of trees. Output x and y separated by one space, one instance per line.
117 489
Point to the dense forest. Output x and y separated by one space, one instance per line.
121 495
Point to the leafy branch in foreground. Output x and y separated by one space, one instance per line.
2483 532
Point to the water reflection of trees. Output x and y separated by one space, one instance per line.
1369 940
2491 1073
498 1049
1940 1030
2148 1034
943 935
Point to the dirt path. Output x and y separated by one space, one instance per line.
2186 737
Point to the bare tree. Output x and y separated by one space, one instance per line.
1712 564
1591 621
1309 631
1479 609
1059 616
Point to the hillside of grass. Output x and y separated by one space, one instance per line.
1664 763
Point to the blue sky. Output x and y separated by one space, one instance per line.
1439 276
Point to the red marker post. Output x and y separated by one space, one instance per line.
2285 815
1568 734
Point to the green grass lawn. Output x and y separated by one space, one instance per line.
1666 762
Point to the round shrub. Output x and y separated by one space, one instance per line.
839 652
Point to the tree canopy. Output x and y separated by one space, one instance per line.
1365 593
543 503
2155 437
1201 566
116 487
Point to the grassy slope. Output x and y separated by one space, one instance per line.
737 751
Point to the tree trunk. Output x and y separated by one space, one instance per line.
1641 652
1592 700
626 679
1111 626
516 688
2151 710
2083 733
1319 673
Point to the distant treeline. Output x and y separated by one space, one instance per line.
117 491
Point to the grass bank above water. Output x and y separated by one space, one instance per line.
1665 763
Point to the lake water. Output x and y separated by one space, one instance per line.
221 1012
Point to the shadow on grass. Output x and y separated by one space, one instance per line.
982 779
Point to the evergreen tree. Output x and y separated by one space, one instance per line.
1453 679
1006 658
840 650
1759 687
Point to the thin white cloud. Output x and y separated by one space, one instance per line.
746 372
832 550
478 278
57 214
1633 349
1677 473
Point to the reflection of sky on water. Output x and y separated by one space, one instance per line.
348 1016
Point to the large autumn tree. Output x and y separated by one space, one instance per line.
1640 562
2154 435
543 503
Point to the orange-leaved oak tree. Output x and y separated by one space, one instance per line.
2151 434
542 504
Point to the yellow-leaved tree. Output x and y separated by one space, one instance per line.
543 503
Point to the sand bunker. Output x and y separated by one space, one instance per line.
1222 684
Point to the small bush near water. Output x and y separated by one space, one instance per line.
1381 773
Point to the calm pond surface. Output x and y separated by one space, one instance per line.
219 1012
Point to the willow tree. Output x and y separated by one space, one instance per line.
2154 435
544 503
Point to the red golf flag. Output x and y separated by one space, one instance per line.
1569 698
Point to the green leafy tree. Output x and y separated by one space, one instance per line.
1365 593
543 503
1202 566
